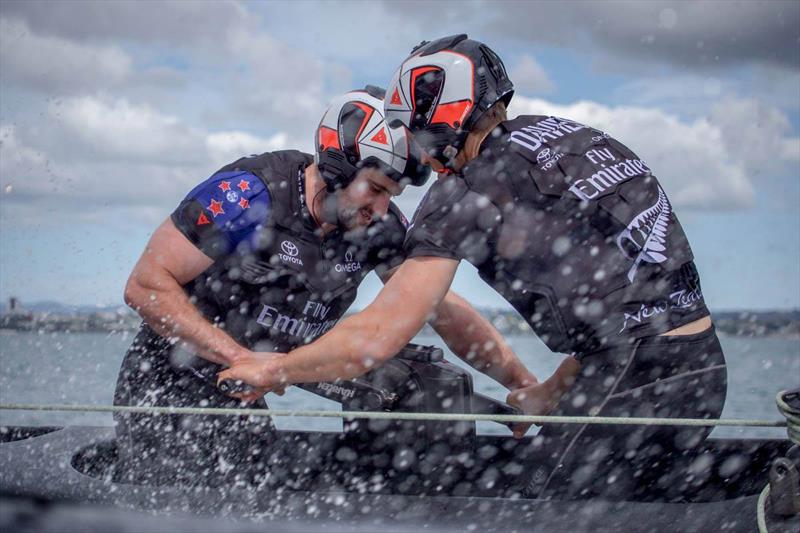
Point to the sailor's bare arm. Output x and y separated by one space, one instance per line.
154 290
541 398
473 338
364 340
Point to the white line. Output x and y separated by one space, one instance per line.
446 417
666 380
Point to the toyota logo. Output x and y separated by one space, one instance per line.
289 248
544 155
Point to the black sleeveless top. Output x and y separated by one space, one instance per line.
572 228
276 283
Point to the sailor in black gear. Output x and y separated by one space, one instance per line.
576 232
572 228
248 260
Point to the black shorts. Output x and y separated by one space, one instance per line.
665 377
182 449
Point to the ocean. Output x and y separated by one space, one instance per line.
81 368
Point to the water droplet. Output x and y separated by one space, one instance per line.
579 400
561 246
668 18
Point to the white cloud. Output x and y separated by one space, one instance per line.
758 133
108 160
249 78
225 147
690 159
115 128
685 93
40 189
26 173
55 64
15 158
529 77
279 81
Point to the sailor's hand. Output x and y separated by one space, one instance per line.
255 372
533 400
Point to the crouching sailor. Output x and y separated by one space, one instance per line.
264 256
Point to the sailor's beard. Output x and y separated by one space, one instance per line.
347 219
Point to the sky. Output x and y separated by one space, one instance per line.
110 112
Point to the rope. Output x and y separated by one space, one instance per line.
793 430
374 415
761 515
792 416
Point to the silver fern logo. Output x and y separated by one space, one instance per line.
645 237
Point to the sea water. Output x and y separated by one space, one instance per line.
81 368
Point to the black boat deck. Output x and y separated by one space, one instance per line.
40 471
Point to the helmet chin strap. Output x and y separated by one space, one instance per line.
447 158
451 153
330 208
443 149
325 210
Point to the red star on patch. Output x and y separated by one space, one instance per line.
244 204
225 185
244 185
216 207
202 220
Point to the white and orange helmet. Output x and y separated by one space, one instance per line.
442 89
353 134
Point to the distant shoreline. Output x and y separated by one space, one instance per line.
784 324
9 331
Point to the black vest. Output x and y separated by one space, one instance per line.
291 285
571 227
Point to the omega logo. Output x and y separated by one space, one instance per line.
349 264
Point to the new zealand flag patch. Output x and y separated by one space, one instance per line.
223 211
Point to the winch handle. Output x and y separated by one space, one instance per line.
421 353
372 397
